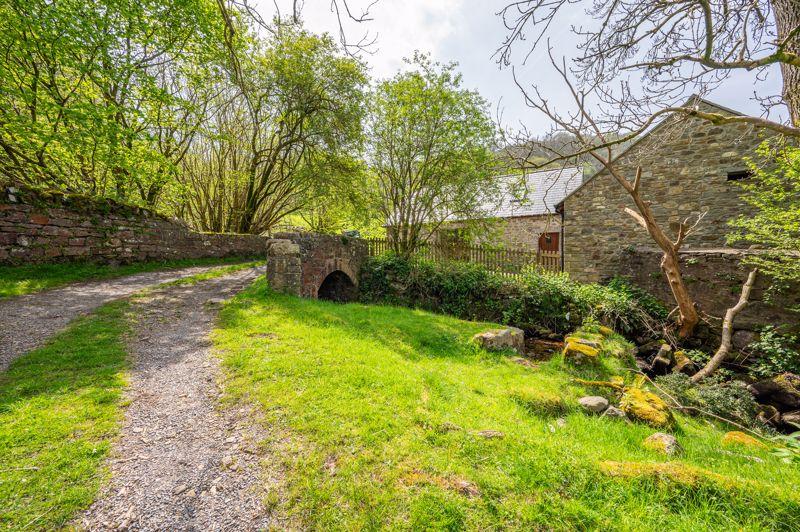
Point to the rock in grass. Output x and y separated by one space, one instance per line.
579 353
597 344
663 361
614 412
594 404
663 443
490 434
736 437
647 407
499 339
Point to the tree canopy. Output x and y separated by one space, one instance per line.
430 146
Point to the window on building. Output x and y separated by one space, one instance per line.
737 175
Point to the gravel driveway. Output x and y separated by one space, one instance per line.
182 462
27 322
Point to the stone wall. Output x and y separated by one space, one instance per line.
37 227
516 233
714 278
298 263
685 168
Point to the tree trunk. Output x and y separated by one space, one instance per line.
686 307
787 18
727 331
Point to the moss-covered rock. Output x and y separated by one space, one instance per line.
591 342
605 331
663 443
646 407
736 437
580 353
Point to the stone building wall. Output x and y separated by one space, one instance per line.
685 168
715 280
515 233
37 228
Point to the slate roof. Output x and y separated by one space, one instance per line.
538 194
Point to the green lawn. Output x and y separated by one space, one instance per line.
60 408
376 412
19 280
59 411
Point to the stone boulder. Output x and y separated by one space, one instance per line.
579 353
616 413
594 404
646 407
684 364
663 443
792 420
663 361
781 391
501 339
736 437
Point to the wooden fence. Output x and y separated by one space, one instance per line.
505 261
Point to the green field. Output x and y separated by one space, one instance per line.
376 413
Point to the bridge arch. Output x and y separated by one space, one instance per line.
302 264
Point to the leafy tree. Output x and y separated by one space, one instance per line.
288 127
430 143
774 194
100 97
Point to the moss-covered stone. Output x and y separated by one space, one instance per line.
579 353
646 407
736 437
662 471
605 331
663 443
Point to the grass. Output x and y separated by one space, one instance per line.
19 280
59 411
376 410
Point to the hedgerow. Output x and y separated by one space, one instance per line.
535 300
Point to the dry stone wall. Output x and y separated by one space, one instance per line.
714 278
45 227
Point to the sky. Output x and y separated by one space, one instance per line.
469 32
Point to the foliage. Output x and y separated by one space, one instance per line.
286 131
430 150
789 451
60 408
730 400
773 192
644 299
774 353
102 97
170 105
538 299
376 412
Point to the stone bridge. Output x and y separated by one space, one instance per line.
314 265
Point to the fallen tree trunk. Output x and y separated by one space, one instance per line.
727 330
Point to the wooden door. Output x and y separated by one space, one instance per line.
548 242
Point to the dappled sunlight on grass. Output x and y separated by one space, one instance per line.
383 406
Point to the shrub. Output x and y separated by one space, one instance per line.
730 400
776 353
536 299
